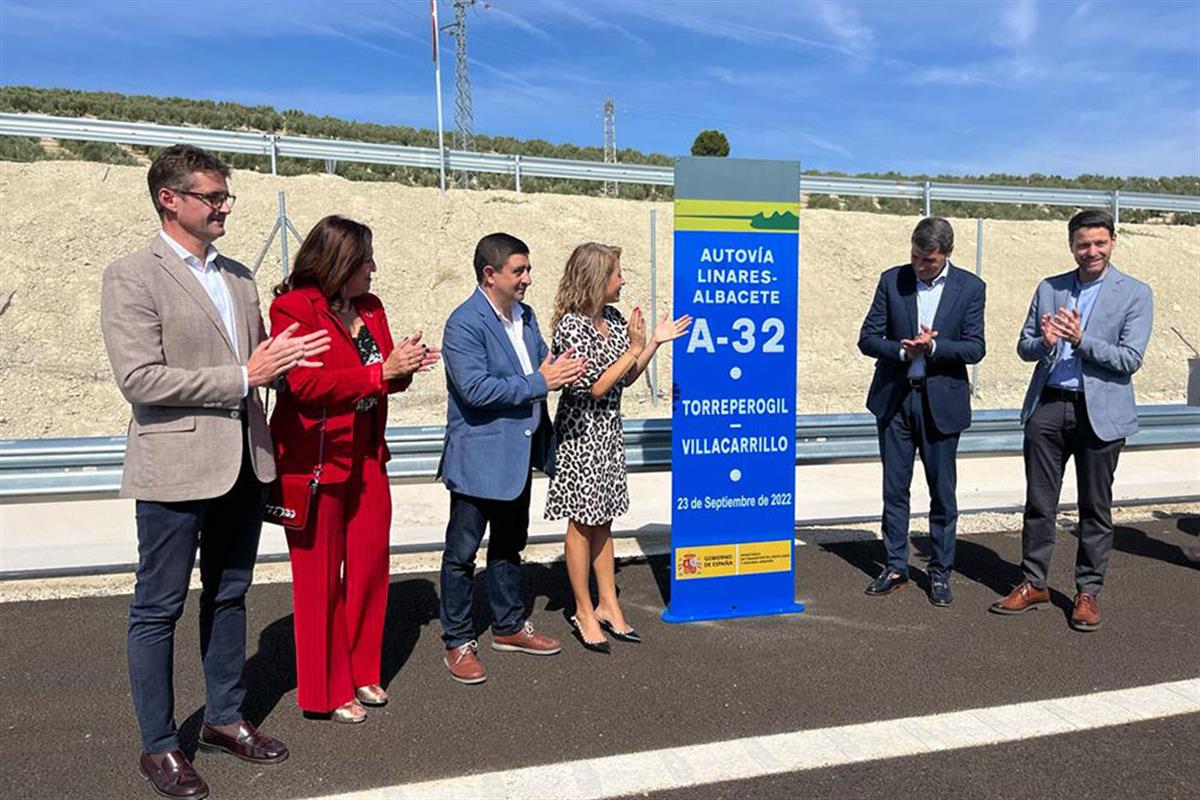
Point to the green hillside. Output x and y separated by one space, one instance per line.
234 116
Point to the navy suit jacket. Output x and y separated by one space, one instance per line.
492 435
959 323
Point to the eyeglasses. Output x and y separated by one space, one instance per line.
212 199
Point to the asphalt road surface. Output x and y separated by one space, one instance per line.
67 727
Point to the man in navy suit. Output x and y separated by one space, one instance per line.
497 430
924 326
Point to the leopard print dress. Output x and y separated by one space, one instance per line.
589 484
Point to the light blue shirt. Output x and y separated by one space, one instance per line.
210 278
929 297
1067 372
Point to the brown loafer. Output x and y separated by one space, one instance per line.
464 664
1086 614
248 744
172 775
527 640
1021 599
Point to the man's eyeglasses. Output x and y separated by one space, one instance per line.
213 200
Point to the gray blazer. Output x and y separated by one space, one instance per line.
1114 342
174 363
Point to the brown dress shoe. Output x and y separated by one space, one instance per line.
527 640
172 775
1086 614
464 664
1021 599
248 744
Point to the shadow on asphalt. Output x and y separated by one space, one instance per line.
271 672
972 561
551 582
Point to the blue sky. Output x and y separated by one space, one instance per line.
938 87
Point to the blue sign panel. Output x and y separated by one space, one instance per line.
733 450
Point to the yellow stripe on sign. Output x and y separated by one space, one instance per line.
713 561
764 557
737 215
741 208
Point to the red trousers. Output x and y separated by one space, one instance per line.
340 582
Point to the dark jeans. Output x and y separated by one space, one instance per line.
469 516
909 431
226 529
1058 430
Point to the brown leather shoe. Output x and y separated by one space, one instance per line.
464 664
1021 599
1086 615
172 775
527 640
248 744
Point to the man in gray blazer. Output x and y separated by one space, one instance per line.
498 373
1087 331
186 341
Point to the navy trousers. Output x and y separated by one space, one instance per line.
469 517
901 437
226 529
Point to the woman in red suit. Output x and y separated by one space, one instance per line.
330 422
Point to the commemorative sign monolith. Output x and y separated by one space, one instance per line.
733 428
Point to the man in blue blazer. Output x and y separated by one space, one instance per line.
924 326
1087 331
497 430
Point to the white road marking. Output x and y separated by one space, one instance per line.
761 756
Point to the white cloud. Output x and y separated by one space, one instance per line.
1018 24
843 22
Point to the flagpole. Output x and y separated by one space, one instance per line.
437 72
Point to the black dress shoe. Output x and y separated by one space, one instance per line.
939 592
248 744
629 635
172 775
887 582
601 646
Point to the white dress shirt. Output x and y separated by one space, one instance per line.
210 278
514 326
929 297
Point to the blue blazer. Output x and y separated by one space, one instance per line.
492 436
959 323
1114 341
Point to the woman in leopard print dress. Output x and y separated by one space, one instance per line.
589 485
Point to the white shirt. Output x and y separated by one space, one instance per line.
929 297
210 278
514 327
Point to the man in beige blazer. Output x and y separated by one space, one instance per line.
187 345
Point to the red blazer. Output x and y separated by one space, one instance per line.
331 390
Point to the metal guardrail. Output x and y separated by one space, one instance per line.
274 146
39 469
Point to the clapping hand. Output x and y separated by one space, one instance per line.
1066 324
668 330
1049 331
562 370
923 343
409 357
637 332
279 354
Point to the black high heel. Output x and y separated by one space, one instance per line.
601 646
623 636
